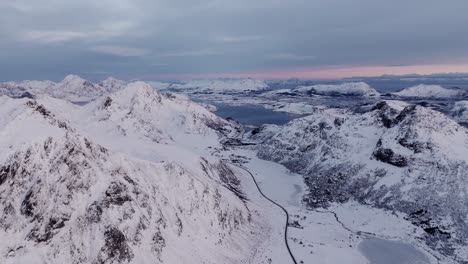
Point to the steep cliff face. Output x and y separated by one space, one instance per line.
395 156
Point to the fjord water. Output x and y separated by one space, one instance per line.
254 115
382 251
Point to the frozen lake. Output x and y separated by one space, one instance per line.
382 251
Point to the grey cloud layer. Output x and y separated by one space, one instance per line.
47 39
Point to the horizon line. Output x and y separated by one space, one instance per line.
324 72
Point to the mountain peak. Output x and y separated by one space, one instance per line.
112 84
72 78
138 92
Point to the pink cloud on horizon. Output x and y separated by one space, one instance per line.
325 72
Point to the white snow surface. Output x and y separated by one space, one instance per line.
431 91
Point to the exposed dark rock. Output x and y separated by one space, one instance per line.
417 147
94 213
405 113
39 108
338 121
116 249
388 156
108 102
256 131
116 194
4 172
26 95
28 205
158 244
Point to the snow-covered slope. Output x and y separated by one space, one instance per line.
460 112
432 91
394 156
102 183
139 113
224 85
348 89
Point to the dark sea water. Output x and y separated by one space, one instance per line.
254 115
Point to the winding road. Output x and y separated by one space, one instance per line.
275 203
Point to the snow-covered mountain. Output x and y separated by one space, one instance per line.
72 88
24 88
143 114
112 85
347 89
391 155
432 91
123 179
76 89
222 85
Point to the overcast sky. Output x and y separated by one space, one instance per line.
169 39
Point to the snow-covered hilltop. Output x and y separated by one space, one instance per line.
433 92
356 89
347 89
393 155
102 183
222 85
